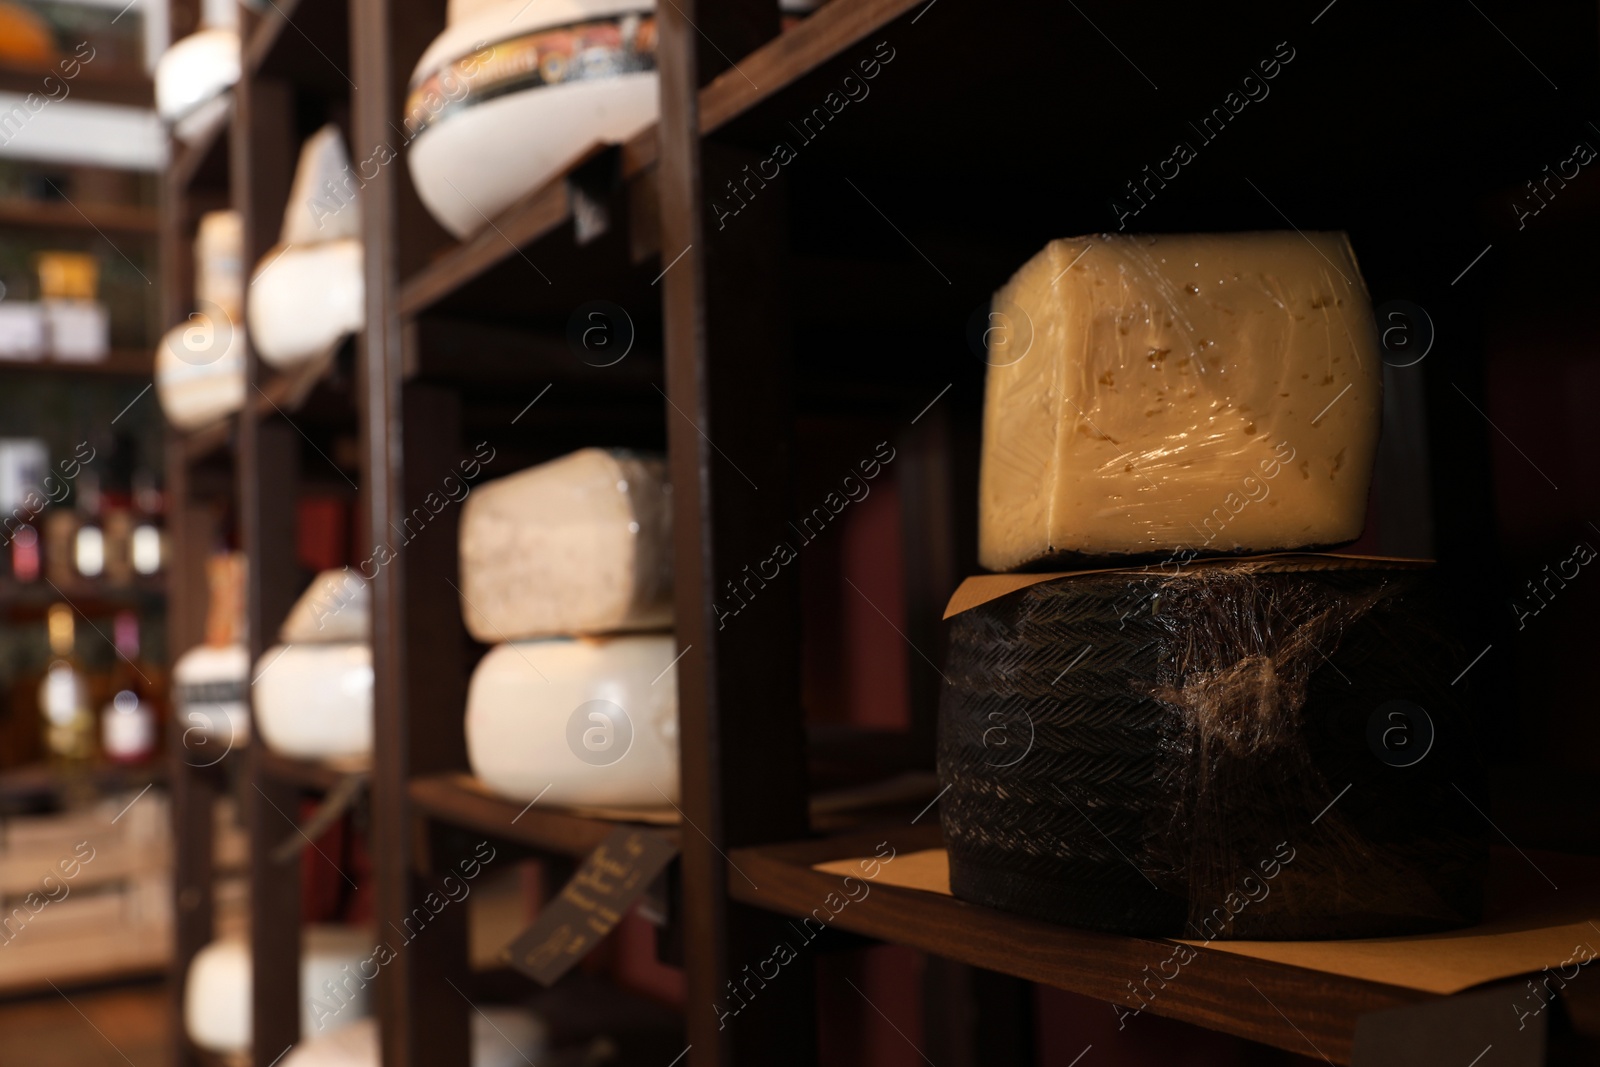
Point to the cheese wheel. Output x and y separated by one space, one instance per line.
315 701
1195 394
195 70
501 1037
219 262
579 721
579 545
209 686
333 993
336 607
304 300
200 372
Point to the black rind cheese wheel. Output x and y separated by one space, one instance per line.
1256 749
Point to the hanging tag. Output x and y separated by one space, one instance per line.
609 881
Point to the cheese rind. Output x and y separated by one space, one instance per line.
336 606
579 545
315 701
1204 393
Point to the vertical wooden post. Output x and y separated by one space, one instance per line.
728 426
410 438
261 141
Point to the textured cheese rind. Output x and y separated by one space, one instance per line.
579 545
336 606
1210 393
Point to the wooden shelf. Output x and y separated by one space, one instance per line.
98 82
89 595
202 162
119 363
458 799
311 776
60 215
1214 991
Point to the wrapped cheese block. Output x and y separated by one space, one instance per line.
579 545
335 987
501 1037
335 607
589 722
200 372
1194 395
514 90
315 701
1261 749
308 292
209 686
219 262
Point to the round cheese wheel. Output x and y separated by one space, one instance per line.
315 701
303 301
195 70
208 689
580 721
501 1037
200 371
335 991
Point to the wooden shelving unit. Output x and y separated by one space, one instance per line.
780 322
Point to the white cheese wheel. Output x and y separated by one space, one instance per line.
336 606
334 991
579 545
304 300
209 686
315 701
195 70
1210 394
477 155
200 372
501 1037
588 722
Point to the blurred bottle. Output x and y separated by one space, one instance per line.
147 548
89 542
128 721
25 554
64 694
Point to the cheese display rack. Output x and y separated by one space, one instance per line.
761 309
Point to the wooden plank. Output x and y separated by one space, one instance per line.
785 59
102 81
204 160
310 776
89 217
119 363
458 800
729 454
1214 990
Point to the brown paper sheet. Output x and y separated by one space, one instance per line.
982 588
1530 926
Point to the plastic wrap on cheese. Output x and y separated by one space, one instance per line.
1259 749
1198 394
579 545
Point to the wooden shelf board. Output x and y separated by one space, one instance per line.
1214 990
790 56
458 799
95 81
119 363
782 61
207 156
61 215
312 776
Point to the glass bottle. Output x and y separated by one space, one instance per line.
64 694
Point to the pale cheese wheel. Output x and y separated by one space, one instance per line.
315 701
304 300
196 70
501 1037
588 722
334 991
200 372
336 606
209 687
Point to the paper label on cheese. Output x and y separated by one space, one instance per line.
1210 393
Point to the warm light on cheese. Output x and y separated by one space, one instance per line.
1209 393
579 545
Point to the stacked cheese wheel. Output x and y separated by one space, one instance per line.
1152 742
313 690
565 568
